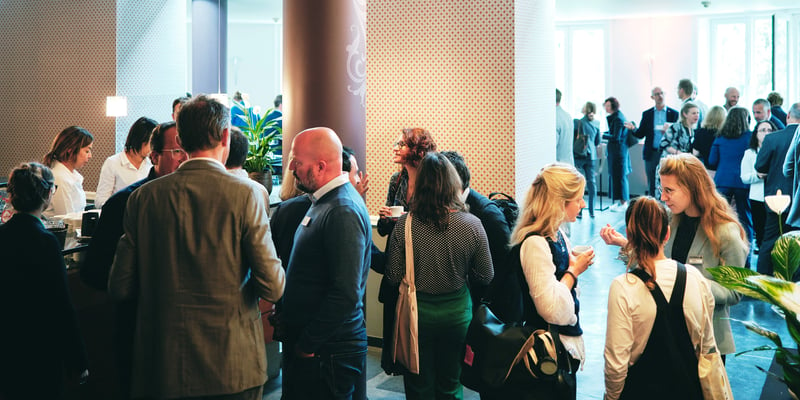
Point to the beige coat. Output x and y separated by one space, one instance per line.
734 252
197 252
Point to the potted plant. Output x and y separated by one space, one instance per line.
260 134
778 290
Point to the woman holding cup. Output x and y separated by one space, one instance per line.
705 233
408 151
551 271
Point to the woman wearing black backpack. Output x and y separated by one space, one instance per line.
651 345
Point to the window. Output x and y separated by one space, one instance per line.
741 56
580 66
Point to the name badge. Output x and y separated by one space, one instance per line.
305 220
695 260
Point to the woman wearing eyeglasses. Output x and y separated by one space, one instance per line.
128 166
71 150
40 336
409 148
755 179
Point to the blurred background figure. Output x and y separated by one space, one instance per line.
71 150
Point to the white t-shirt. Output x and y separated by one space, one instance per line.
632 313
69 197
117 173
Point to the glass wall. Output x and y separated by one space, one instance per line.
580 66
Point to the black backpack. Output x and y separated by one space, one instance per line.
580 142
508 206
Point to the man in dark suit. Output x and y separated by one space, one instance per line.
492 219
166 155
762 111
651 128
770 161
326 346
197 253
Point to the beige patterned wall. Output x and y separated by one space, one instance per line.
447 66
57 63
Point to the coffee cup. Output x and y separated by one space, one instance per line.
578 250
395 211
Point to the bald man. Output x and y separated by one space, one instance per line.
325 281
731 98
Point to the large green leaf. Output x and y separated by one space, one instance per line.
786 255
260 148
735 278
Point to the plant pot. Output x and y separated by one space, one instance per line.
264 178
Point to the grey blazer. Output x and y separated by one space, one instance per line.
197 252
733 252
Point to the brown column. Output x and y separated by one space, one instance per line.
324 64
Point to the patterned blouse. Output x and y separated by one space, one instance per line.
398 189
442 259
677 136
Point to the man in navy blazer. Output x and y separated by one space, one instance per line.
651 127
492 219
326 336
770 161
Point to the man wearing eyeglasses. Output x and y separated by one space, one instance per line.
197 254
653 124
166 156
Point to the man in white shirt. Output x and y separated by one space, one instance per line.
564 132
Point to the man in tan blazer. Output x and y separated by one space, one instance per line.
197 253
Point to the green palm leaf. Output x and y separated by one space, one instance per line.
786 255
735 278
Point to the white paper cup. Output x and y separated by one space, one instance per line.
396 211
578 250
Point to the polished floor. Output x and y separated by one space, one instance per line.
747 381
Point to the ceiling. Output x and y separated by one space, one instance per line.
566 10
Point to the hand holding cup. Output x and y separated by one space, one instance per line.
583 257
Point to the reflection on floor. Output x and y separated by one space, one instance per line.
746 380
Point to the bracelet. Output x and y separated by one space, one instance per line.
574 278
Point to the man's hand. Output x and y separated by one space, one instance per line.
363 183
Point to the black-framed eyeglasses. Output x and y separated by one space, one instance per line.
400 144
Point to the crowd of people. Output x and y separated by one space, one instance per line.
187 247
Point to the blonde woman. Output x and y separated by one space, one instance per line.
551 272
705 233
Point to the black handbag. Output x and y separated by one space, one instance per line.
512 354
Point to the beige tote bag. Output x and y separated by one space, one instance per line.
713 377
406 341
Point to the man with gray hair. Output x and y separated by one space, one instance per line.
197 253
762 112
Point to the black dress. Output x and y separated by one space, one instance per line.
40 335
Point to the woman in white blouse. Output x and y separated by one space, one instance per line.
755 179
71 150
647 354
550 270
129 166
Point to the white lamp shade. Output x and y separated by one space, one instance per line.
116 106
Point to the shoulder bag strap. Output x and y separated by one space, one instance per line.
409 254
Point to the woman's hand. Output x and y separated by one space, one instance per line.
580 263
384 212
612 237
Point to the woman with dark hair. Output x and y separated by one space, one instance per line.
71 150
40 337
726 157
129 166
409 148
450 248
678 137
639 363
756 179
618 159
706 233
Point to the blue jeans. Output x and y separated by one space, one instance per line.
337 371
